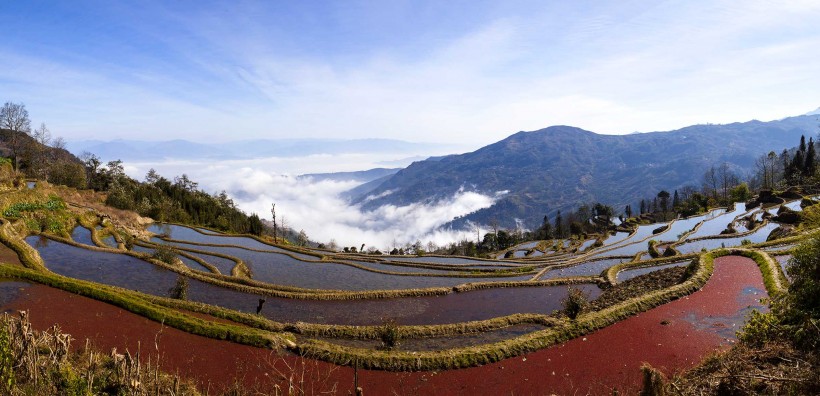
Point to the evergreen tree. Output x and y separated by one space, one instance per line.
663 196
796 168
785 159
545 231
676 200
628 211
643 207
559 225
809 164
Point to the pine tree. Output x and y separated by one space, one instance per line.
809 164
675 200
628 211
643 207
559 225
796 167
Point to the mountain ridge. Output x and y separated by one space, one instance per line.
561 167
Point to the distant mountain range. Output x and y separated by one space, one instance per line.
141 151
561 167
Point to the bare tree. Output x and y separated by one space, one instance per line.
726 179
14 117
36 152
711 183
275 229
58 143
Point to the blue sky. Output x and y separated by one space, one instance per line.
455 71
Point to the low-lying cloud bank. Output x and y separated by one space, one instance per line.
316 207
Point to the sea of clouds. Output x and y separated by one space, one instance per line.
317 206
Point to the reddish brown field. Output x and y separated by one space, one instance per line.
672 337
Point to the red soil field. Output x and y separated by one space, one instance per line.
672 337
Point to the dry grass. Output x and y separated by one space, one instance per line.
41 363
776 368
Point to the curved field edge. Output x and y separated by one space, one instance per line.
560 331
280 291
564 330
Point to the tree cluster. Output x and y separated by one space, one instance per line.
34 152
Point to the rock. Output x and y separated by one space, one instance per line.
791 193
787 217
780 232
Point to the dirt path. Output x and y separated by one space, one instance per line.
673 337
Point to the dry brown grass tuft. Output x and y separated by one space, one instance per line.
41 363
776 368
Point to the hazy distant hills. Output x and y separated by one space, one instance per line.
561 167
136 150
358 176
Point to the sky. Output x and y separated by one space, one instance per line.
434 71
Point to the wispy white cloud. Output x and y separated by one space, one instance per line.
247 69
317 207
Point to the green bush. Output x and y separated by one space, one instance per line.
801 306
760 329
6 361
575 302
180 289
165 253
16 210
389 334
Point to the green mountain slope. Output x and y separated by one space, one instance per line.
560 167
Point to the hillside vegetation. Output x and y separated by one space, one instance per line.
562 167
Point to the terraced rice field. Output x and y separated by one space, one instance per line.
469 302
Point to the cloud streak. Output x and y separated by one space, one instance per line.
256 70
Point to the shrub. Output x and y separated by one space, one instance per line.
760 329
802 304
389 334
165 253
575 302
180 289
6 361
653 251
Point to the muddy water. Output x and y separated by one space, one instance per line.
10 290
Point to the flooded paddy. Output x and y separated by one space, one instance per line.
135 274
715 225
756 237
82 235
589 268
783 260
